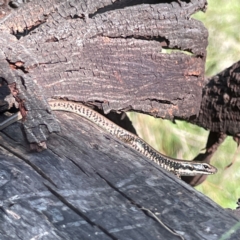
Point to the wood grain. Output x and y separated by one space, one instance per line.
88 185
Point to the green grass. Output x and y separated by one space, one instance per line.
222 20
183 140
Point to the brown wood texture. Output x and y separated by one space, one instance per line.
111 53
221 102
88 185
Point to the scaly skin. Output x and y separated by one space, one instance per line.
178 167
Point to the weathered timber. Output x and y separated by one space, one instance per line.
87 185
221 102
108 53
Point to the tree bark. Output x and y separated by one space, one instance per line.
119 56
87 185
114 56
221 102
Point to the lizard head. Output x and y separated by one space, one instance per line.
196 168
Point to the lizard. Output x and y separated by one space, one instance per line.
176 166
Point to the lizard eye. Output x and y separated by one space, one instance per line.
205 166
191 168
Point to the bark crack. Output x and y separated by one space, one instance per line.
146 211
26 31
80 213
32 165
123 4
76 164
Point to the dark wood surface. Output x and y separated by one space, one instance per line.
221 102
87 185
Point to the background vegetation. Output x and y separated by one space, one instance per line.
183 140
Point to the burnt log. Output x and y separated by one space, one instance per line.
117 55
87 185
221 102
